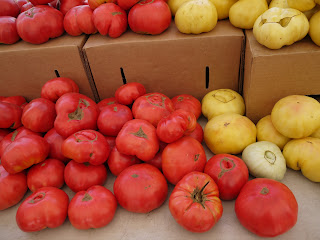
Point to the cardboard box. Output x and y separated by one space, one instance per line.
171 63
26 67
270 75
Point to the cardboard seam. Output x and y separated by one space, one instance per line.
242 64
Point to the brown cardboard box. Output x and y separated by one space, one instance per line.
171 63
26 67
270 75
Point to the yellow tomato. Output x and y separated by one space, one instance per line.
314 30
175 4
316 134
302 5
223 7
311 12
279 3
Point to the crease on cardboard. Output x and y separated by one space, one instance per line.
242 64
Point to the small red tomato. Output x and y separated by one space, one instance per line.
266 207
55 141
128 93
117 161
47 207
112 118
56 87
9 8
94 208
18 100
13 187
110 19
106 102
230 174
39 115
152 107
48 173
138 138
150 17
8 30
66 5
81 176
96 3
188 103
182 157
140 188
12 116
197 133
175 125
194 202
126 4
86 146
75 112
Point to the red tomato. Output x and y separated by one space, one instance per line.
117 161
78 20
128 93
94 208
39 115
106 102
110 19
8 30
12 116
56 87
138 138
20 3
48 173
55 141
112 118
3 133
24 152
30 24
75 112
126 4
13 187
182 157
86 146
149 17
175 125
194 202
18 100
152 107
40 2
111 141
230 174
96 3
266 207
81 176
26 7
9 8
197 133
188 103
140 188
157 160
54 4
47 207
66 5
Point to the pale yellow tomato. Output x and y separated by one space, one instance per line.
316 134
223 7
314 30
279 3
302 5
175 4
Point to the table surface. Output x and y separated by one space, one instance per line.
159 224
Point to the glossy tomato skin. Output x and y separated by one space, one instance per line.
266 207
126 4
56 87
110 19
8 30
81 176
49 173
152 107
106 102
9 8
18 100
66 5
10 115
140 188
150 17
47 207
194 202
138 138
197 133
39 115
75 112
94 208
13 187
128 93
188 103
117 161
182 157
229 172
55 141
31 22
86 146
112 118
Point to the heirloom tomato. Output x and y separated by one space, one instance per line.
18 100
3 133
197 133
8 30
106 102
40 2
188 103
126 4
10 115
96 3
66 5
9 8
128 93
55 141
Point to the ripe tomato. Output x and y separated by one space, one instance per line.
66 5
18 100
140 188
55 141
9 8
128 93
126 4
152 107
94 208
188 103
266 207
194 202
3 133
106 102
157 160
8 30
197 133
40 2
182 157
111 141
47 207
48 173
230 174
26 7
39 115
10 115
13 187
96 3
81 176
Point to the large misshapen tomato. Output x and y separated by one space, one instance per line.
10 116
55 141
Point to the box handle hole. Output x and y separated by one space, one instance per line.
207 77
57 73
124 80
